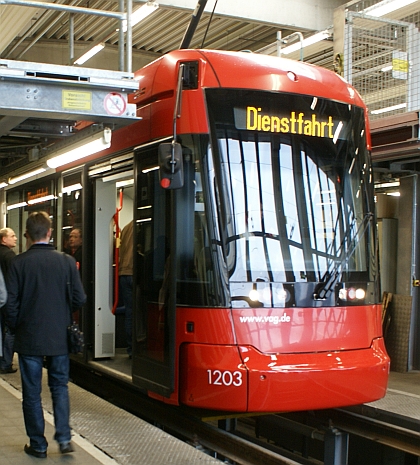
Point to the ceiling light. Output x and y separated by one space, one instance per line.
17 205
385 7
89 54
141 13
308 41
391 108
3 184
127 182
386 68
45 198
73 187
83 147
384 185
26 175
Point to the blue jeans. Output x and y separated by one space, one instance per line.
58 377
8 341
126 288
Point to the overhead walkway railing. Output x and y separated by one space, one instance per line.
119 15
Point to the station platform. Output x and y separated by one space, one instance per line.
101 433
402 398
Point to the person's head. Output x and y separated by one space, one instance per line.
8 237
75 238
38 227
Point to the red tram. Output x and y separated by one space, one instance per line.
256 285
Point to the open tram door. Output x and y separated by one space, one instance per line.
107 189
154 278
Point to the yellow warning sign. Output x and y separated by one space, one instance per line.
72 100
400 65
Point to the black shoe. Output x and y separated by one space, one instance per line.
66 448
35 453
8 370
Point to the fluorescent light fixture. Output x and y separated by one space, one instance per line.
391 108
17 205
82 148
27 175
383 185
45 198
393 194
73 187
127 182
141 13
385 7
3 184
89 54
308 41
386 68
147 170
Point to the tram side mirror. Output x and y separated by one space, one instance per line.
171 168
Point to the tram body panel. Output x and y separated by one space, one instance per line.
265 372
292 330
213 376
309 381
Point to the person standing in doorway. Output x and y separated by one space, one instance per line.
41 284
8 241
125 272
75 246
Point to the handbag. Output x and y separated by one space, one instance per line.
75 338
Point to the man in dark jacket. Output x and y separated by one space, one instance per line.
38 312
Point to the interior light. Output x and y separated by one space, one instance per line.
73 187
17 205
306 42
393 194
147 170
45 198
127 182
141 13
27 175
387 184
3 184
82 148
89 54
387 6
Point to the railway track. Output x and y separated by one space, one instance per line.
266 439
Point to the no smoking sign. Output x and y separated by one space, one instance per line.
115 104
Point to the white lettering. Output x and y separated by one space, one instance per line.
225 378
274 319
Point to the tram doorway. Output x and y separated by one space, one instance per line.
113 211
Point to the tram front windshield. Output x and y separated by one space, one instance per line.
293 188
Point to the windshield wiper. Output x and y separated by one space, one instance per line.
329 279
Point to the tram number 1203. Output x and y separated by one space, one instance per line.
225 378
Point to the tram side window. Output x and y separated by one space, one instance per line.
71 233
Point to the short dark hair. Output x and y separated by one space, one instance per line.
37 225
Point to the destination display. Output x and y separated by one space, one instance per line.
254 118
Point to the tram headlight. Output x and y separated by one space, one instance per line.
351 294
254 295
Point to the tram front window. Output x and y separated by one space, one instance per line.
295 183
